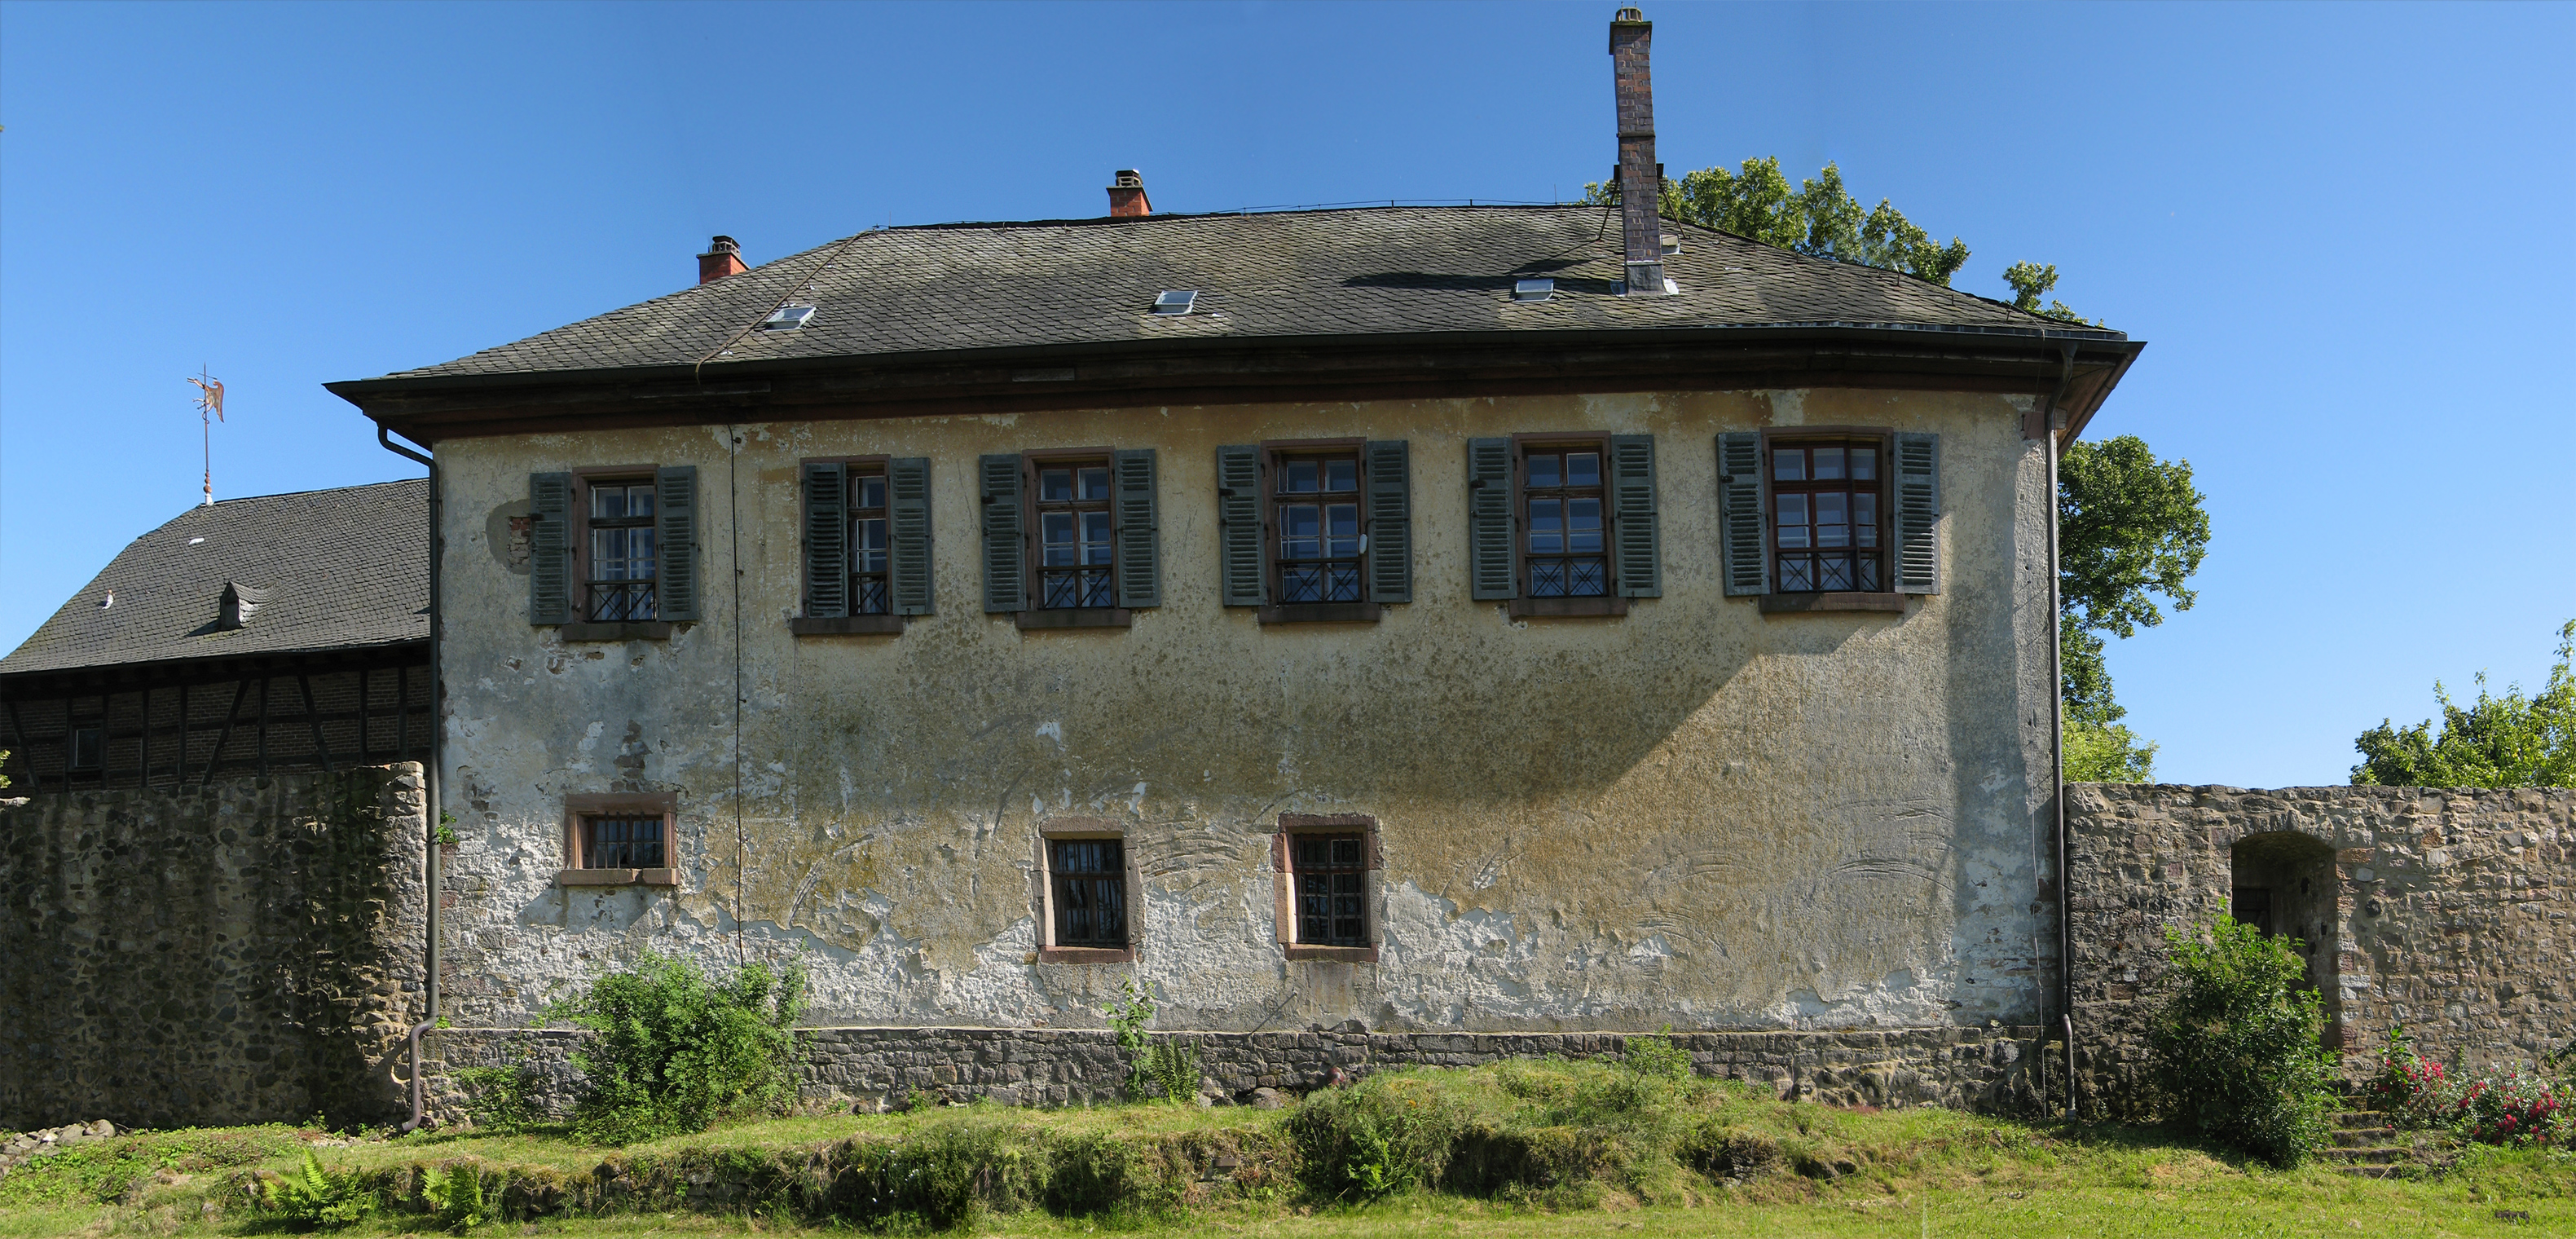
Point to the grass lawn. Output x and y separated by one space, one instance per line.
1551 1149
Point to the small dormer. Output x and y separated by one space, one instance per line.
238 603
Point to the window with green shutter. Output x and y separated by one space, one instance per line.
1846 518
867 544
1563 524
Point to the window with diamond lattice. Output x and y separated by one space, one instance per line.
621 841
620 584
1090 888
1563 551
1825 516
1332 878
869 592
1315 501
1075 548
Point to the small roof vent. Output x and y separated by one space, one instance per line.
1171 302
790 317
238 603
1534 290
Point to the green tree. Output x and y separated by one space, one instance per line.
2029 281
2507 741
2129 527
1818 217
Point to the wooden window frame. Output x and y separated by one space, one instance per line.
889 624
1283 885
1806 602
1043 894
1522 606
1034 613
1277 611
579 627
581 806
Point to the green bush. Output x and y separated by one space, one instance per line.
1388 1133
456 1197
316 1197
2240 1044
499 1099
674 1050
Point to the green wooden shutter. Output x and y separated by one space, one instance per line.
1139 536
827 540
1918 514
1238 515
549 548
1390 521
675 504
1743 504
908 542
1491 570
1637 535
1006 561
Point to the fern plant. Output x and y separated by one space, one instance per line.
314 1196
456 1196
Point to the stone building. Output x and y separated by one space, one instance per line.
1474 619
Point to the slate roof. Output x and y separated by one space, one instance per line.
1371 271
344 569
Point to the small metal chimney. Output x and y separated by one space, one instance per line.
1127 195
723 258
1641 179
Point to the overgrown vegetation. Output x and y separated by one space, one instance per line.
110 1169
499 1099
2507 741
674 1050
315 1197
1168 1067
455 1196
2240 1043
2511 1109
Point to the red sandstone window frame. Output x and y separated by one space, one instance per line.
578 812
1283 885
1051 831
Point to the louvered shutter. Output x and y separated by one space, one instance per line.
1390 521
908 534
827 540
1490 570
1139 537
1743 503
549 548
1238 515
675 504
1918 514
1637 536
1006 561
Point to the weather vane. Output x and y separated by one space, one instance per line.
210 409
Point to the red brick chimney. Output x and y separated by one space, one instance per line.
723 258
1127 197
1641 179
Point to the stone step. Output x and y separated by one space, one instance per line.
2356 1137
2371 1172
2361 1118
2386 1155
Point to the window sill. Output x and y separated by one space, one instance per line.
1076 617
647 630
1086 955
617 877
1332 954
1541 608
847 626
1801 604
1322 613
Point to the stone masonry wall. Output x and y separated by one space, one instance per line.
1995 1069
2452 910
246 951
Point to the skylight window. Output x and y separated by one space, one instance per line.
788 317
1533 290
1176 302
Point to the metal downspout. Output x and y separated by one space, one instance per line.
429 785
2057 734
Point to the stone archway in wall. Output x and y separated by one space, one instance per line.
2284 883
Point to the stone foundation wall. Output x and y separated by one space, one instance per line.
247 951
1997 1069
2452 910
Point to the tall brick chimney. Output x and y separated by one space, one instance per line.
723 258
1127 196
1641 179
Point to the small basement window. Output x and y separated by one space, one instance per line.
1534 290
787 318
1175 302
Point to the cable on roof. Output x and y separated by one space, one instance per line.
793 288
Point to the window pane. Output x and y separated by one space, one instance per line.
1545 470
1864 519
1831 527
1095 537
1795 576
1299 530
1346 852
1829 463
1793 520
871 492
1058 538
1342 475
1864 463
1591 578
1095 481
1547 578
1547 526
1583 524
1342 530
1583 468
608 554
1869 572
1788 464
1301 584
1298 477
1055 485
870 534
1833 572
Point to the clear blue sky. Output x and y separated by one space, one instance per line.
2342 229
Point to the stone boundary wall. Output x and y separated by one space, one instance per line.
1996 1070
245 951
2452 910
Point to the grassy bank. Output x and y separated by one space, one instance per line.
1516 1149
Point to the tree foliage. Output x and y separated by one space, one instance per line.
2129 527
2030 281
2507 741
1817 217
2240 1042
674 1050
